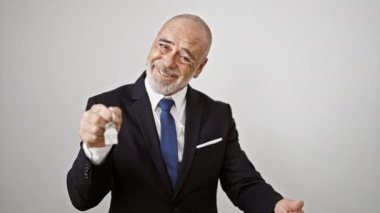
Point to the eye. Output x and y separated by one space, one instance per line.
185 59
164 47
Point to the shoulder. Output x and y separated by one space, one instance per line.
208 104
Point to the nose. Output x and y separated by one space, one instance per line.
169 60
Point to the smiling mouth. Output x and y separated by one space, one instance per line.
165 74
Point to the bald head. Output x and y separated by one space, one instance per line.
195 25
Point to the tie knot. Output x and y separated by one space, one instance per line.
166 104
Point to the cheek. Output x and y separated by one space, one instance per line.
153 55
186 72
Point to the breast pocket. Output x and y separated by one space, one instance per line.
209 143
210 151
208 158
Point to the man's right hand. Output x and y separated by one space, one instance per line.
93 121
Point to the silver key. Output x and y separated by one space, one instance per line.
110 134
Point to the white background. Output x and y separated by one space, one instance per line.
303 79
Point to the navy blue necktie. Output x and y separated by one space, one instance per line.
169 148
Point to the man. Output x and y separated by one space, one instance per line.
174 142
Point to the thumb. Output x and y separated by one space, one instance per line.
295 205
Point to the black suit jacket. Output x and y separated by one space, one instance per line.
135 172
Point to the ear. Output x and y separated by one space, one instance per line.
200 68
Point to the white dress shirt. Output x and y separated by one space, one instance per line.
97 155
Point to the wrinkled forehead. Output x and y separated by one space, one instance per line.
185 33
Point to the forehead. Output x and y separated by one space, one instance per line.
185 34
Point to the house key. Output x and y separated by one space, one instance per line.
110 134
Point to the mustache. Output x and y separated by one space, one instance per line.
165 70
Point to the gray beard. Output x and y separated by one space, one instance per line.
161 87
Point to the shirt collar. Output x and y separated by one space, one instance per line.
155 98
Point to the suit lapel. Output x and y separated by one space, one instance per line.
192 128
142 107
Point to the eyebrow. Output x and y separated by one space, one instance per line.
165 40
184 49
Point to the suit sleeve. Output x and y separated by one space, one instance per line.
242 183
88 184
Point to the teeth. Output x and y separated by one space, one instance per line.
164 74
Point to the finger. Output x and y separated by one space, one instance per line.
295 205
91 128
102 111
97 107
117 116
116 110
94 119
301 211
